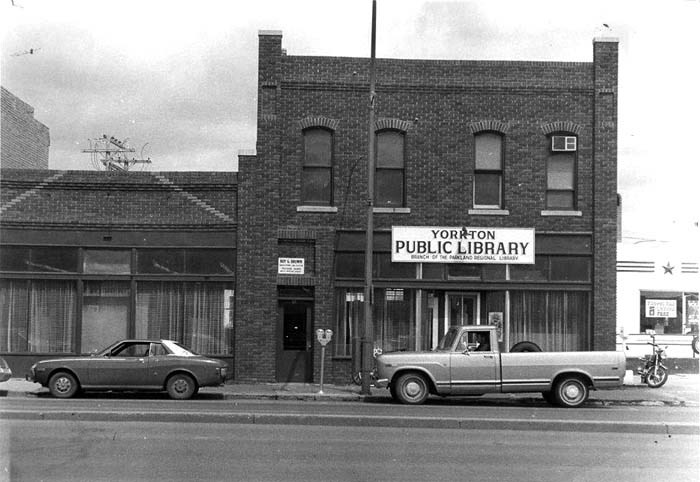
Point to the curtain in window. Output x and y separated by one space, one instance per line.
191 313
556 321
52 315
394 326
14 322
349 322
37 316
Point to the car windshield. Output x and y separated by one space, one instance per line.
177 349
447 340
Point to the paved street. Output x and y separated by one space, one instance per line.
79 450
458 413
150 437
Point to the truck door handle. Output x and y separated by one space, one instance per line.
488 356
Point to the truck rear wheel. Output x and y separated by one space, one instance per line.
411 389
570 392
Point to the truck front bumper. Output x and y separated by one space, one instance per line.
381 383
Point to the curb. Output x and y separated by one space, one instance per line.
453 423
354 397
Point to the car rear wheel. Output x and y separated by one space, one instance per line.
63 385
412 389
181 386
570 392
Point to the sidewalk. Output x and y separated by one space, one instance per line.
681 390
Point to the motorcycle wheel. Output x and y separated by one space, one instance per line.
657 377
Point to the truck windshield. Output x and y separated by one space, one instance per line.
448 340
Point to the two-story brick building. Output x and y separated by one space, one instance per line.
495 202
492 149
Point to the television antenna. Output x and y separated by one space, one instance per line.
112 154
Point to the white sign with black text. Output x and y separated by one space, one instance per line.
290 265
427 244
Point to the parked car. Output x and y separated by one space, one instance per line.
5 372
139 365
467 362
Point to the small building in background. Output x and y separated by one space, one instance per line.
657 289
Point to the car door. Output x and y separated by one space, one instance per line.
124 366
473 365
158 365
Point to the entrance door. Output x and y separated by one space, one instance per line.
294 354
105 314
462 309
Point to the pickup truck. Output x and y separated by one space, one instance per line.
467 362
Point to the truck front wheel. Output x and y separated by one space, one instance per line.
411 389
570 392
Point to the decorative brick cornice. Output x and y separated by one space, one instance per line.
489 125
296 234
561 126
393 124
319 121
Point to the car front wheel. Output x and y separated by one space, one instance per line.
63 385
412 389
181 386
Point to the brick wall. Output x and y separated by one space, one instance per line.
605 193
121 200
24 141
440 104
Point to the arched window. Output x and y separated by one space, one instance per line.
488 170
389 179
317 174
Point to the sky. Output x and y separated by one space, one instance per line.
178 79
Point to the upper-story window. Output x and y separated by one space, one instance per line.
561 173
390 172
317 175
488 170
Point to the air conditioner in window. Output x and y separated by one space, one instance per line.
563 143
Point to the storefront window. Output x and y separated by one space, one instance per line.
350 316
556 320
196 314
105 314
107 261
530 272
570 268
37 316
394 319
668 312
39 259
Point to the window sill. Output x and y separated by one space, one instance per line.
317 209
561 213
392 210
489 212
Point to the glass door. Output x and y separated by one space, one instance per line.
462 309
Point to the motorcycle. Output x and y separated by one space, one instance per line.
654 373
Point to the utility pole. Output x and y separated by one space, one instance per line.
368 331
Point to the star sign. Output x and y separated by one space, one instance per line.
668 269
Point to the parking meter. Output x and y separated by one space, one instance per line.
323 337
